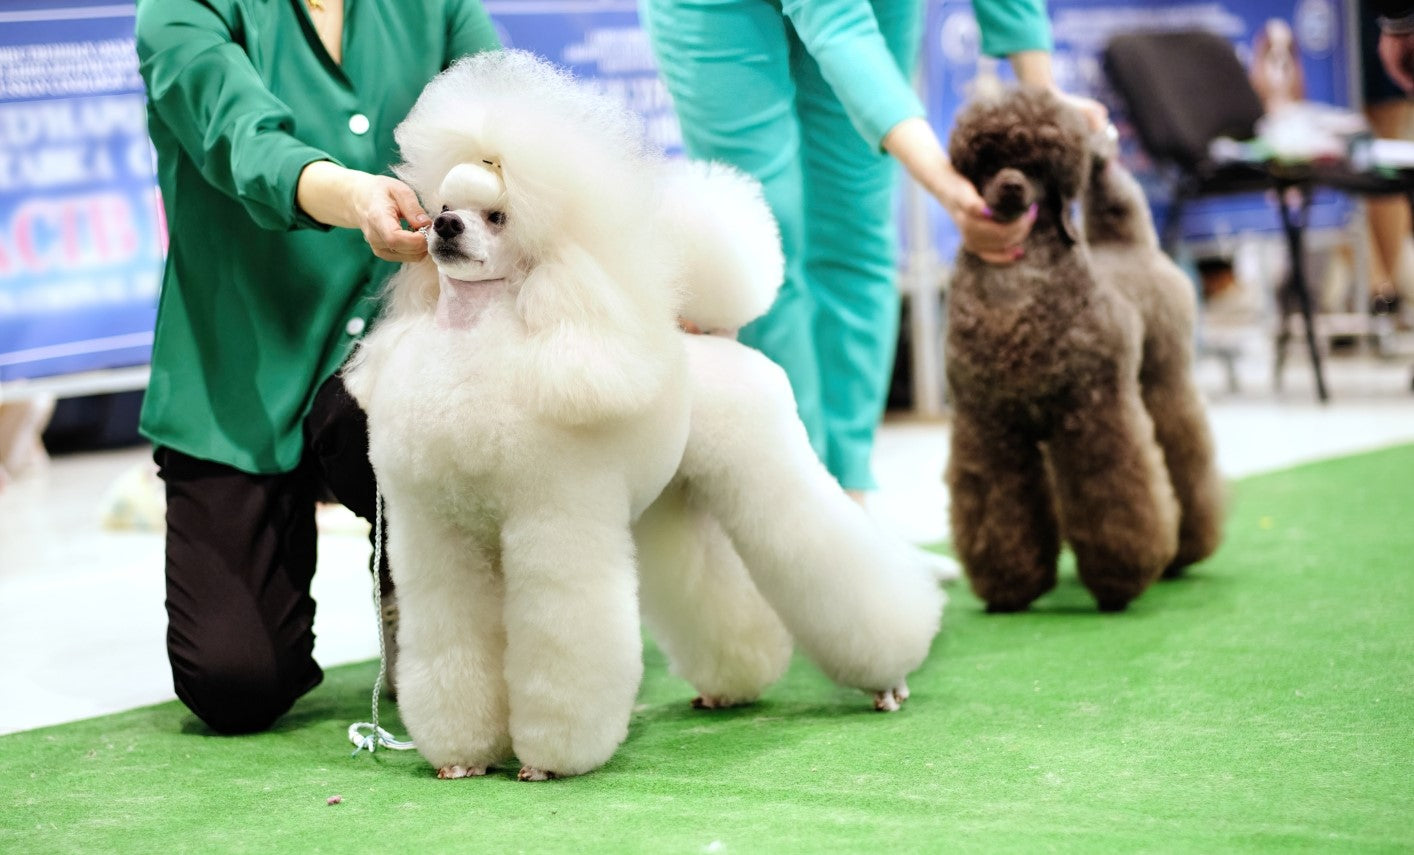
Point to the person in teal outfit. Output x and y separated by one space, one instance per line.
813 98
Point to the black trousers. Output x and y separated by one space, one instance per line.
241 552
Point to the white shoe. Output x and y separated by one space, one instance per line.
942 567
136 501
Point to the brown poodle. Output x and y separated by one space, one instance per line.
1060 367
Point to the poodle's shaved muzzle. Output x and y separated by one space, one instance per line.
1009 194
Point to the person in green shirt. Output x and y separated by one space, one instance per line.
813 98
273 123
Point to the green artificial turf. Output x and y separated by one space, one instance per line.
1262 704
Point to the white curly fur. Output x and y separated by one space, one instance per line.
556 454
719 220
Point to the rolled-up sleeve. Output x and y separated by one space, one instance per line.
203 88
844 39
1012 26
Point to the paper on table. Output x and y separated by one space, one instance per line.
1393 154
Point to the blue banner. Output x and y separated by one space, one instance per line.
602 42
81 230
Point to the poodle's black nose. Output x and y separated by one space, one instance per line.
447 225
1012 188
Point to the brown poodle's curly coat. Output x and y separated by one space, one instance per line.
1075 411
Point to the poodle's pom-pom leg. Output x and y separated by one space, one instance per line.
856 600
1117 507
451 693
726 242
1003 525
1181 428
574 652
1164 295
701 606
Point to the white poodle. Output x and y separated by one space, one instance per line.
556 453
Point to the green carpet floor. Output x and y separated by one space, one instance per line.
1263 704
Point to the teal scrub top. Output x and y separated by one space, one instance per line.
260 304
843 38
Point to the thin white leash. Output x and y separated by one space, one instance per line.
376 735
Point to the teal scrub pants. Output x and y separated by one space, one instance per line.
746 92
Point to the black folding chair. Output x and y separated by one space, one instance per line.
1184 89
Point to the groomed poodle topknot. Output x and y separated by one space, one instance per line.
1076 416
555 453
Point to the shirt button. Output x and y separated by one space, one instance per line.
358 123
354 326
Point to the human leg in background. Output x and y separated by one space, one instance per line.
727 67
850 253
21 424
1388 216
1389 112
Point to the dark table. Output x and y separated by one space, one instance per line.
1294 184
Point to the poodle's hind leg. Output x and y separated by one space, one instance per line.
702 608
858 603
1181 428
451 691
574 652
1117 507
1002 515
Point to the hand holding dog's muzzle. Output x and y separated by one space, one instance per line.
385 205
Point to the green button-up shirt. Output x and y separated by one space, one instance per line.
260 304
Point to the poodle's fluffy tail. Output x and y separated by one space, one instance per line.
726 241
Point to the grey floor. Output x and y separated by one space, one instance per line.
81 615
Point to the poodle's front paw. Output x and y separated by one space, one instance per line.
1175 571
454 771
528 773
890 700
1006 607
711 702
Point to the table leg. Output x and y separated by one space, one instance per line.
1293 223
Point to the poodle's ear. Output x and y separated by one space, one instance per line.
1067 220
411 292
599 351
1071 144
963 147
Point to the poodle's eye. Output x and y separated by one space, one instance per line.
496 218
445 209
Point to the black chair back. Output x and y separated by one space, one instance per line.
1183 90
